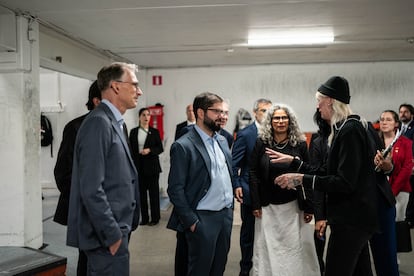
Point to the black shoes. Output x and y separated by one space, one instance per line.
151 223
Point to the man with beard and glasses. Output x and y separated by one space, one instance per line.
222 131
181 250
200 188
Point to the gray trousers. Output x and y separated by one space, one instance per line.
102 263
209 244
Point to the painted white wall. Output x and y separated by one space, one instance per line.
25 167
72 94
77 59
374 87
20 199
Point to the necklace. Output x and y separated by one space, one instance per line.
143 129
281 147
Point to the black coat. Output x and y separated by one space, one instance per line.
147 164
178 129
350 180
318 153
262 173
63 168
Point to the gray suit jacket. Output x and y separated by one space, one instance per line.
104 199
189 178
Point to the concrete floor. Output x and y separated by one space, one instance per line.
152 248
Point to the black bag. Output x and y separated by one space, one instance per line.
402 230
46 133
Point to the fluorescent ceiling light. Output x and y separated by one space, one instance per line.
284 37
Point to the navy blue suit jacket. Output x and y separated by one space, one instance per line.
222 131
409 133
242 149
189 178
104 196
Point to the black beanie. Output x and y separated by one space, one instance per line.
336 88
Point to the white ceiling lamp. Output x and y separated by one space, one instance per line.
290 37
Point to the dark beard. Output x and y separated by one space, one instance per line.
210 124
404 120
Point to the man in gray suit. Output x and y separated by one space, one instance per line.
104 198
200 188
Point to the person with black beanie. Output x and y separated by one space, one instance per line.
349 182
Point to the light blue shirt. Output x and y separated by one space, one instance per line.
220 193
115 111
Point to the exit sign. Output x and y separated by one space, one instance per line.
156 80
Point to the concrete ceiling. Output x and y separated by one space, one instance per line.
185 33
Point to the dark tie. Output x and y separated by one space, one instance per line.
403 129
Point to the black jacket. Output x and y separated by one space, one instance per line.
261 175
350 180
178 129
318 153
63 168
147 164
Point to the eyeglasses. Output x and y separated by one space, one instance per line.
280 118
219 111
135 84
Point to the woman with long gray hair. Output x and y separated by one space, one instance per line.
280 214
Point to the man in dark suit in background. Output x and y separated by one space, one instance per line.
190 121
242 149
406 113
63 168
200 189
104 199
223 123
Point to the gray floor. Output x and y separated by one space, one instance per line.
153 247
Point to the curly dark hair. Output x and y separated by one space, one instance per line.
295 135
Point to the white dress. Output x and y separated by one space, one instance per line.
283 243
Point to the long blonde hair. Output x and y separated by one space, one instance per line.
340 111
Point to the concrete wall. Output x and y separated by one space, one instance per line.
374 87
63 98
20 199
61 94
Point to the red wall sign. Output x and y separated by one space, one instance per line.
156 80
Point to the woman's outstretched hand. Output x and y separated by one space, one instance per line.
278 157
